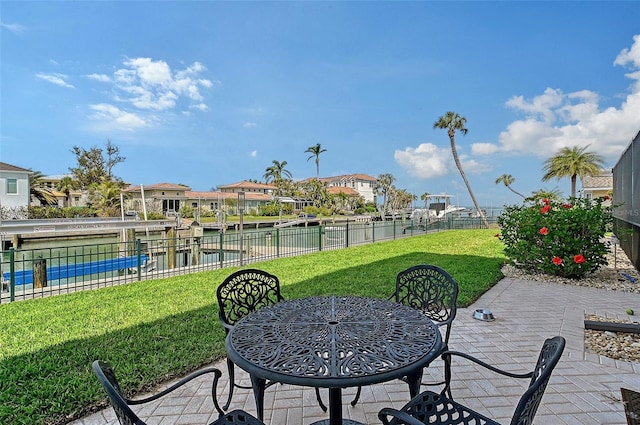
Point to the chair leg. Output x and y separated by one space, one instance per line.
322 405
446 391
357 397
232 383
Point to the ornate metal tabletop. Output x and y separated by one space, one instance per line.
333 342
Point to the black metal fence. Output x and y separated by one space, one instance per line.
626 201
35 273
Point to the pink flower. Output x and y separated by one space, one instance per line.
567 206
545 209
557 261
544 231
545 201
579 259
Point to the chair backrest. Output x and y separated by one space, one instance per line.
547 360
107 378
244 292
431 290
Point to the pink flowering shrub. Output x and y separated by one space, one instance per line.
557 238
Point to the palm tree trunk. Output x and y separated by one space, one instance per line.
464 177
516 192
574 178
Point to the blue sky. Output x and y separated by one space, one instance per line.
208 93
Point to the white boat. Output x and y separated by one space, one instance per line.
439 207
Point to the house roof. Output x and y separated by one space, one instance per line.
340 189
358 176
158 186
8 167
252 196
598 182
246 183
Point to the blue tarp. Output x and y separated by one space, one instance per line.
23 277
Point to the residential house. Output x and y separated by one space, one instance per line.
598 186
77 198
364 184
14 191
160 198
248 187
348 191
210 202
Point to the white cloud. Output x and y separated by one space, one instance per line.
249 124
152 85
14 28
630 55
111 117
483 148
426 161
472 166
203 107
99 77
555 120
254 154
55 78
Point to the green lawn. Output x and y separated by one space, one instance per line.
155 330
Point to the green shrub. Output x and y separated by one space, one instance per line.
186 211
557 238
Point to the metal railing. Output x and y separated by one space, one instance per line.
35 273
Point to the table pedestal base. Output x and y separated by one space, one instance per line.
344 422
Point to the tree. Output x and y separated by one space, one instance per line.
540 194
425 197
92 166
315 152
276 171
105 198
316 191
508 180
452 121
113 158
66 185
384 183
572 162
38 190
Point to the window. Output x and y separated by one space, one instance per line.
194 205
12 186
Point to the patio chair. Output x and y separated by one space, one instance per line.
433 408
126 416
431 290
239 295
631 402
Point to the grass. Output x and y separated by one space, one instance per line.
155 330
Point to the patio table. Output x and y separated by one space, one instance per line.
333 342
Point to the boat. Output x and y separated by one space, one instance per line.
439 207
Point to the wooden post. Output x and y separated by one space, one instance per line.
39 273
131 242
196 233
171 248
195 252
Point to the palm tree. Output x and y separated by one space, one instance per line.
383 187
425 197
508 180
38 190
315 152
66 185
538 195
276 171
105 198
572 162
452 121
